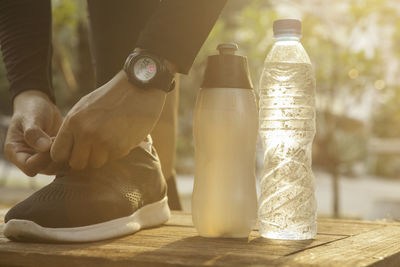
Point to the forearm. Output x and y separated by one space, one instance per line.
178 29
25 38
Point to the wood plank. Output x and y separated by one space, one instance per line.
169 245
180 218
339 242
184 241
346 227
325 225
379 247
184 251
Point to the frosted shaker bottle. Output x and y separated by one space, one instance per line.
224 202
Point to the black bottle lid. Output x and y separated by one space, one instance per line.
227 70
287 27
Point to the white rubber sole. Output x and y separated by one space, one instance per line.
151 215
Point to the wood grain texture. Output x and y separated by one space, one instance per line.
379 247
338 243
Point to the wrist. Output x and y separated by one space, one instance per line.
24 98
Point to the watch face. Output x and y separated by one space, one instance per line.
145 69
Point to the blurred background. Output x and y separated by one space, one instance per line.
352 45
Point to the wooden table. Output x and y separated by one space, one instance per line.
338 243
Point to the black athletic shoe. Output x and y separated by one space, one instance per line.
95 204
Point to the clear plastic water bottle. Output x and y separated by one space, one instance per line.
225 126
287 205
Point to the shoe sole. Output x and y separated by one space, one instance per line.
151 215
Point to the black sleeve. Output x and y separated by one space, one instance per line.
25 38
178 29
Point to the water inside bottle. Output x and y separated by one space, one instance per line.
287 207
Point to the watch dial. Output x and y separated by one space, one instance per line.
145 69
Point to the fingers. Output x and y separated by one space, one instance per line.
19 157
31 162
26 139
37 139
16 149
98 156
39 161
61 149
77 150
80 155
54 168
20 160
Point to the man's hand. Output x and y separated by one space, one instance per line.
107 123
35 120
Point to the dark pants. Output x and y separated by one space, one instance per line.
114 29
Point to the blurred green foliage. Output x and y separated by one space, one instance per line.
351 44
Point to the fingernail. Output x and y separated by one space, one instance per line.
43 142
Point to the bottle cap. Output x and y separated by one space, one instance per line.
227 70
287 27
227 48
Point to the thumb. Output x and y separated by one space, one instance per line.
37 139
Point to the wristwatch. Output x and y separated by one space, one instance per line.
147 70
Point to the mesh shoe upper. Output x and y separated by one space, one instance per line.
80 198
